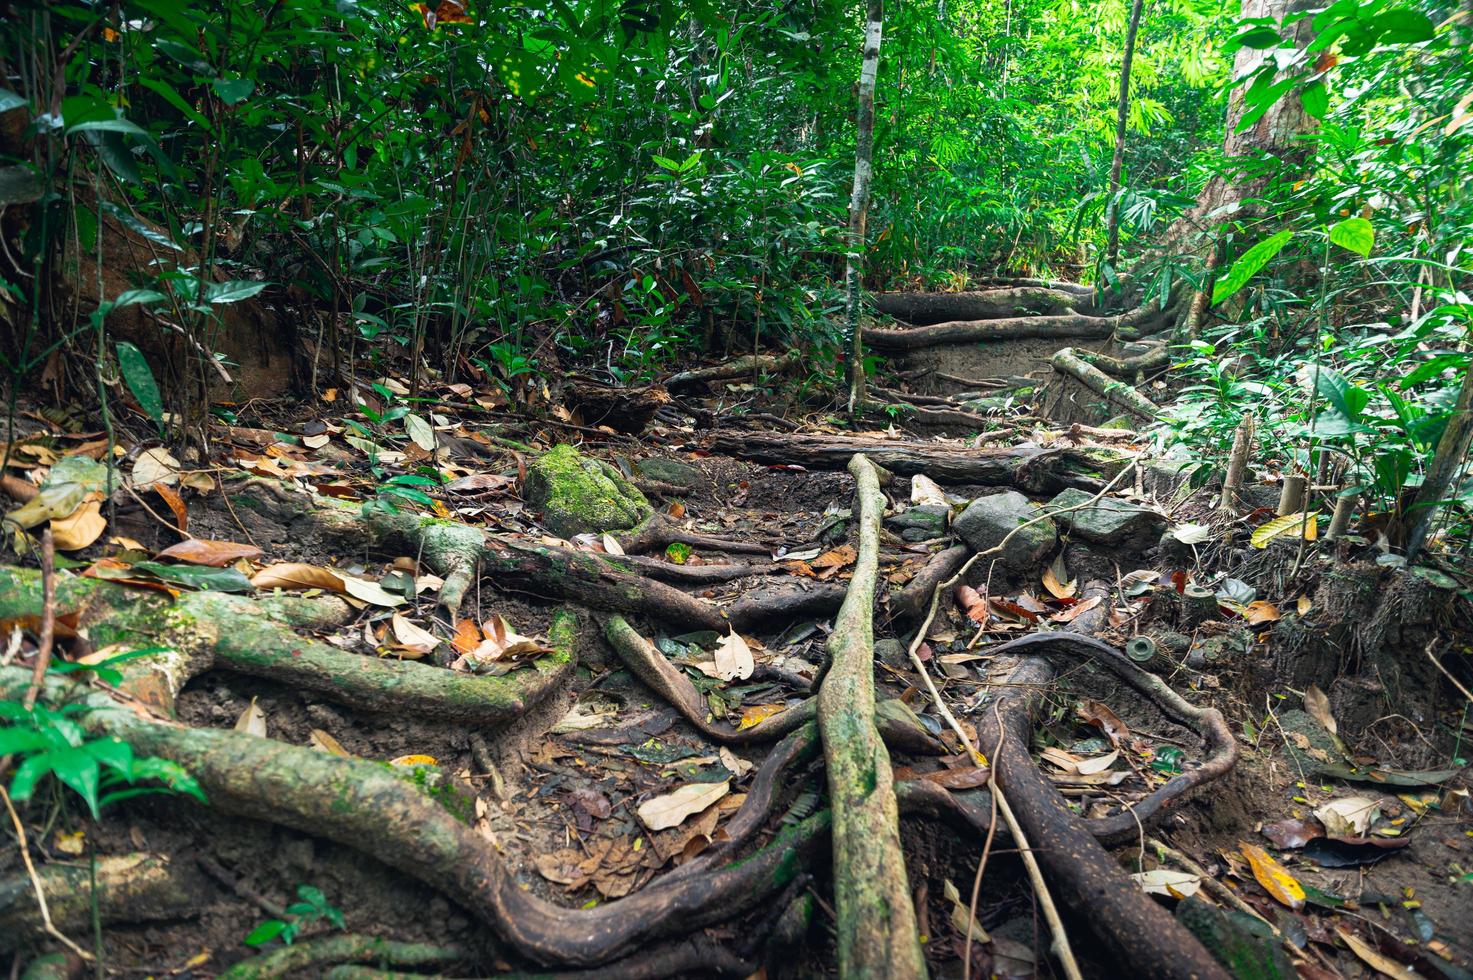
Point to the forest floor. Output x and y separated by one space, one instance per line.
1338 842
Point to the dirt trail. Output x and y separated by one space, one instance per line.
644 791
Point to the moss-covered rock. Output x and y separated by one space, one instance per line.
578 495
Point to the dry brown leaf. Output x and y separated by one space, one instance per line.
252 720
1078 609
171 497
1088 767
1261 611
1318 705
971 603
155 466
1279 883
1096 714
467 636
324 742
838 558
1374 958
734 658
925 491
297 575
80 528
671 809
215 554
413 636
1056 580
1304 605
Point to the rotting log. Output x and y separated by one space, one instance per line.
626 410
945 464
371 808
923 309
1141 320
876 924
1117 393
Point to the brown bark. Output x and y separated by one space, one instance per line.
621 409
1122 116
864 146
928 308
945 464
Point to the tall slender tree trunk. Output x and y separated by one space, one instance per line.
1122 114
864 146
1452 450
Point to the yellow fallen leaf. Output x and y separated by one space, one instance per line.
82 527
413 636
1054 579
73 843
1282 525
1373 957
1279 883
326 743
756 714
734 658
415 760
252 720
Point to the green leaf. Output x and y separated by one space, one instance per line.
421 432
678 552
131 296
233 291
171 95
198 577
1403 27
1248 265
265 932
1355 234
1431 369
109 126
139 378
79 770
1316 100
233 91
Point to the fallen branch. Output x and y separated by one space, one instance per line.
735 368
988 304
1117 393
1010 328
911 600
943 463
877 934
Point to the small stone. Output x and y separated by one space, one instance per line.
891 653
670 471
580 495
1108 521
988 520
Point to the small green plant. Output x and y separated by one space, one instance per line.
311 906
53 742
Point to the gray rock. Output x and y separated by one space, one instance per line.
1109 520
670 471
919 523
892 654
988 520
578 494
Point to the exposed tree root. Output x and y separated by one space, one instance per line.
694 574
1128 367
367 806
1134 928
329 950
877 934
897 723
1117 393
924 308
911 601
658 532
130 888
1143 320
735 368
987 467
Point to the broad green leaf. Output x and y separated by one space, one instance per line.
1248 265
132 296
1431 369
109 126
233 291
1355 234
233 91
265 932
1316 100
139 378
171 95
198 577
78 769
421 432
1403 27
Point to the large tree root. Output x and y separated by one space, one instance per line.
898 724
1143 320
1128 921
204 630
658 532
367 806
735 368
129 888
877 933
330 950
1117 393
989 304
988 467
911 601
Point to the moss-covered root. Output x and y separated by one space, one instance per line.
130 888
244 641
877 932
328 950
366 806
52 966
1115 392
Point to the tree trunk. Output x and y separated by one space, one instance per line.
1278 133
1122 114
864 146
1452 449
